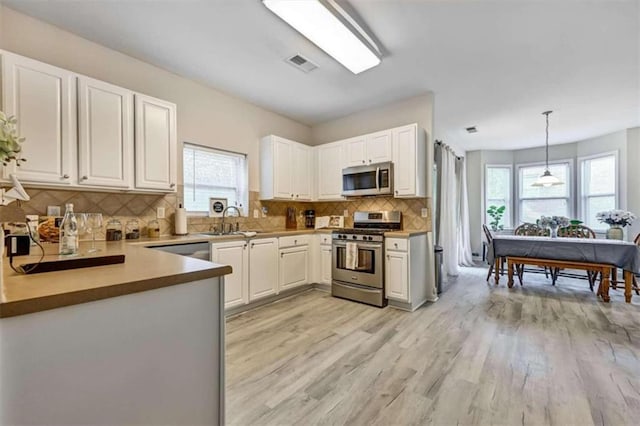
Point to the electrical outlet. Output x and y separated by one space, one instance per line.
256 213
345 213
424 212
160 212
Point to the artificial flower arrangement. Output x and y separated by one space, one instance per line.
553 222
616 217
10 142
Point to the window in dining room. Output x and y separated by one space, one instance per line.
534 201
599 187
498 190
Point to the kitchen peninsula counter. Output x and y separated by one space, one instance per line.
143 270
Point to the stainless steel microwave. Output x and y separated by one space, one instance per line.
373 179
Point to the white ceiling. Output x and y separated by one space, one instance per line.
492 64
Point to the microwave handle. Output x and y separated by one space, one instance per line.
378 179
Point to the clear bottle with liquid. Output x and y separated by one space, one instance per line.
68 232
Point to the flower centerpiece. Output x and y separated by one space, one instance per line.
616 219
553 223
10 142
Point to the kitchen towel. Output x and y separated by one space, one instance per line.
181 221
351 256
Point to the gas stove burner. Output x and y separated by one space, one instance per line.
360 231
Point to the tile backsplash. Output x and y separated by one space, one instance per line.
142 207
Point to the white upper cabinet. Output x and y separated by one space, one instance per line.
330 159
156 154
286 170
302 177
105 138
409 162
43 98
368 149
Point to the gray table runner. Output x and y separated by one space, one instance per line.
622 254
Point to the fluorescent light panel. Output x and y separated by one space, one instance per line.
314 21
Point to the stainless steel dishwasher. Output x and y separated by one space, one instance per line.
196 250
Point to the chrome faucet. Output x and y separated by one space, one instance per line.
224 215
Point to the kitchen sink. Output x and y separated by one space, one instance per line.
218 234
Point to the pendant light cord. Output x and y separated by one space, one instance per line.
546 113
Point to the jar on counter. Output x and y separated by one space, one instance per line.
132 230
114 230
153 229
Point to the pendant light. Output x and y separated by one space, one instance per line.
547 179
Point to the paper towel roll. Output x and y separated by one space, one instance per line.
181 221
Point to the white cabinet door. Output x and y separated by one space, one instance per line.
379 147
43 99
325 264
282 168
294 267
156 144
263 268
355 151
404 161
397 276
302 175
236 284
329 173
105 148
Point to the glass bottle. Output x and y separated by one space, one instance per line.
154 229
68 232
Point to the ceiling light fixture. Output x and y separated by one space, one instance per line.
547 179
325 24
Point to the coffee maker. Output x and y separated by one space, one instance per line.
309 218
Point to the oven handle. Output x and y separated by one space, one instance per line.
353 287
372 246
378 179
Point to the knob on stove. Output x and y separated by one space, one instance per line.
355 237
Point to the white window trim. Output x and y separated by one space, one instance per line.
193 213
511 192
572 184
581 196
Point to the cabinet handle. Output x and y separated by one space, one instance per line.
281 255
388 257
173 185
295 242
362 161
84 178
244 247
369 160
396 192
253 245
291 195
65 177
396 245
297 195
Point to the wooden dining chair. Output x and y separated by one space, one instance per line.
530 230
489 237
577 231
636 240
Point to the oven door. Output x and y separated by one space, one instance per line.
369 271
375 179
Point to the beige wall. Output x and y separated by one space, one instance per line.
205 116
418 109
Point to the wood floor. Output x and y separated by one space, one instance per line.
533 355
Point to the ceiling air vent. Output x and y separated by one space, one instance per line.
301 63
472 129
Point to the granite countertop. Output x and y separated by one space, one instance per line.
24 294
405 234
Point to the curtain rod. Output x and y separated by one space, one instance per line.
445 146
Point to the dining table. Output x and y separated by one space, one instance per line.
591 254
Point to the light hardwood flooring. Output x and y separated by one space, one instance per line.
533 355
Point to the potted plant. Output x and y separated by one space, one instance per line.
496 214
616 219
10 142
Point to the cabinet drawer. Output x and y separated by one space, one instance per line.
325 240
294 241
397 244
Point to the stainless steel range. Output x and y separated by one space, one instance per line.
358 257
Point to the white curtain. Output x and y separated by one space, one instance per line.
465 258
448 210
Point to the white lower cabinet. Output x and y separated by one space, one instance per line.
397 276
294 267
263 268
325 264
407 283
236 284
